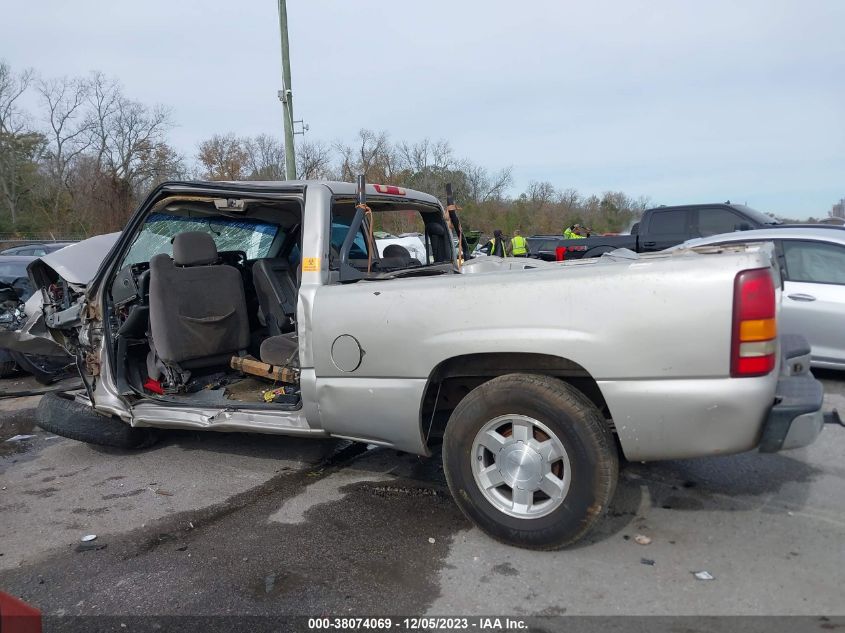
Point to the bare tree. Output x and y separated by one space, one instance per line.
18 145
265 158
68 134
12 87
135 131
540 193
129 148
103 97
372 155
313 160
482 186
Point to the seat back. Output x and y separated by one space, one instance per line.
276 287
198 314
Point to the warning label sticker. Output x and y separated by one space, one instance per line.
311 264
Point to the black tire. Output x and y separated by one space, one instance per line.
581 429
64 416
8 368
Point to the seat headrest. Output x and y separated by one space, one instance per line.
397 250
194 248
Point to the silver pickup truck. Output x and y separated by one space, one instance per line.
264 307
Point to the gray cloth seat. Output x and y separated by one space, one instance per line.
276 286
280 350
198 314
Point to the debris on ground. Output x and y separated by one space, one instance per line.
164 493
269 583
20 438
642 539
703 575
88 537
647 561
431 539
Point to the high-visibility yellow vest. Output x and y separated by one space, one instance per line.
518 245
493 247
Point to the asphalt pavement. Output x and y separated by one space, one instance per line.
225 524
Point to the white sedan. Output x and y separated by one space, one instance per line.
812 264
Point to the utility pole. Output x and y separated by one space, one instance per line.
286 95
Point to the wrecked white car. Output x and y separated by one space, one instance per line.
266 307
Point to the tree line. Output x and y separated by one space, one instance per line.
83 154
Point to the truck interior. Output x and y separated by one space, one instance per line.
202 308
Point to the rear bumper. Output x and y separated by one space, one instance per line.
796 418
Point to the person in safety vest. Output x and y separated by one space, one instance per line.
496 246
519 246
573 232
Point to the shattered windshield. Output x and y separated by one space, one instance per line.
158 232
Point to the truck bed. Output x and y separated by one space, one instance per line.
545 246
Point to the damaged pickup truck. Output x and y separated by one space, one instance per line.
264 307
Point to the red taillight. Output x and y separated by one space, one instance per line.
754 329
560 253
389 190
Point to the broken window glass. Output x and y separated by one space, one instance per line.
156 237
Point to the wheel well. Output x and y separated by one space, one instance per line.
454 378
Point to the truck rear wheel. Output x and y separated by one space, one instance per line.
530 460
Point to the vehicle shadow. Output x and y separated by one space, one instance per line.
828 374
257 445
749 482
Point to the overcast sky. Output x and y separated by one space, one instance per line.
678 101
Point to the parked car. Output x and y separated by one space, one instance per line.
77 263
812 265
35 249
13 273
15 290
658 229
524 397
